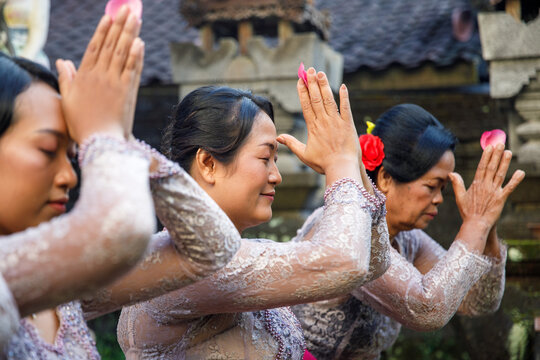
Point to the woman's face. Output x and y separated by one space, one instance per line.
35 168
414 204
244 189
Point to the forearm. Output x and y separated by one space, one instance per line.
486 295
425 302
202 233
102 238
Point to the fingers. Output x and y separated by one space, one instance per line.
63 76
458 185
305 103
503 168
93 49
135 61
112 38
482 165
494 163
329 102
344 104
124 45
71 67
516 179
315 94
296 146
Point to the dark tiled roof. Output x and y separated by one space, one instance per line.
73 21
369 33
376 33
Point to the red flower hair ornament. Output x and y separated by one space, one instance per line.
372 151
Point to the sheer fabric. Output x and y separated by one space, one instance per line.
175 257
198 240
115 178
9 314
367 321
221 317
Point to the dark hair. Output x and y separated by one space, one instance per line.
17 74
414 141
216 119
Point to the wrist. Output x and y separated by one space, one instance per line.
342 167
111 132
473 234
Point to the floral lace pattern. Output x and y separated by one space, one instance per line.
72 342
114 178
334 259
367 321
9 314
182 253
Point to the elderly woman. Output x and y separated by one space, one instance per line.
425 284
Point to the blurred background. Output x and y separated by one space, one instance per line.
474 64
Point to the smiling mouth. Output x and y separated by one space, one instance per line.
269 195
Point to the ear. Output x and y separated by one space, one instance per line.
205 165
384 180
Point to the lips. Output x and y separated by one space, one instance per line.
269 195
59 204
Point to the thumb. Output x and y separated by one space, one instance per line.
64 76
458 186
296 146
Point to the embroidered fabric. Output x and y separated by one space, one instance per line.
222 316
367 321
9 314
109 230
199 239
73 340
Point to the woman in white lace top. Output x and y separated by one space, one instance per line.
48 258
425 284
226 139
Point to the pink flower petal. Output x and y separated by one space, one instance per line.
308 356
492 138
113 6
302 74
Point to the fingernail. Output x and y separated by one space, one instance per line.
343 87
311 71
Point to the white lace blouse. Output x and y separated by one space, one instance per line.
362 324
225 316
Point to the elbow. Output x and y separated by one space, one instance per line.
131 228
428 322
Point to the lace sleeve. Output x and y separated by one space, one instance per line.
100 239
265 274
425 302
199 240
486 295
9 315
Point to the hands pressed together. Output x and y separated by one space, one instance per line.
481 204
100 97
332 147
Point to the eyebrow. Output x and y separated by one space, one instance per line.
56 133
270 145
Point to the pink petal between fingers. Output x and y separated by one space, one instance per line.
135 6
493 138
302 73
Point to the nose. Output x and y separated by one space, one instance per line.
275 176
438 199
66 176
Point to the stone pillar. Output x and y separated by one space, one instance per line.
513 50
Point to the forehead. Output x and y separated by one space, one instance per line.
263 130
443 167
39 107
